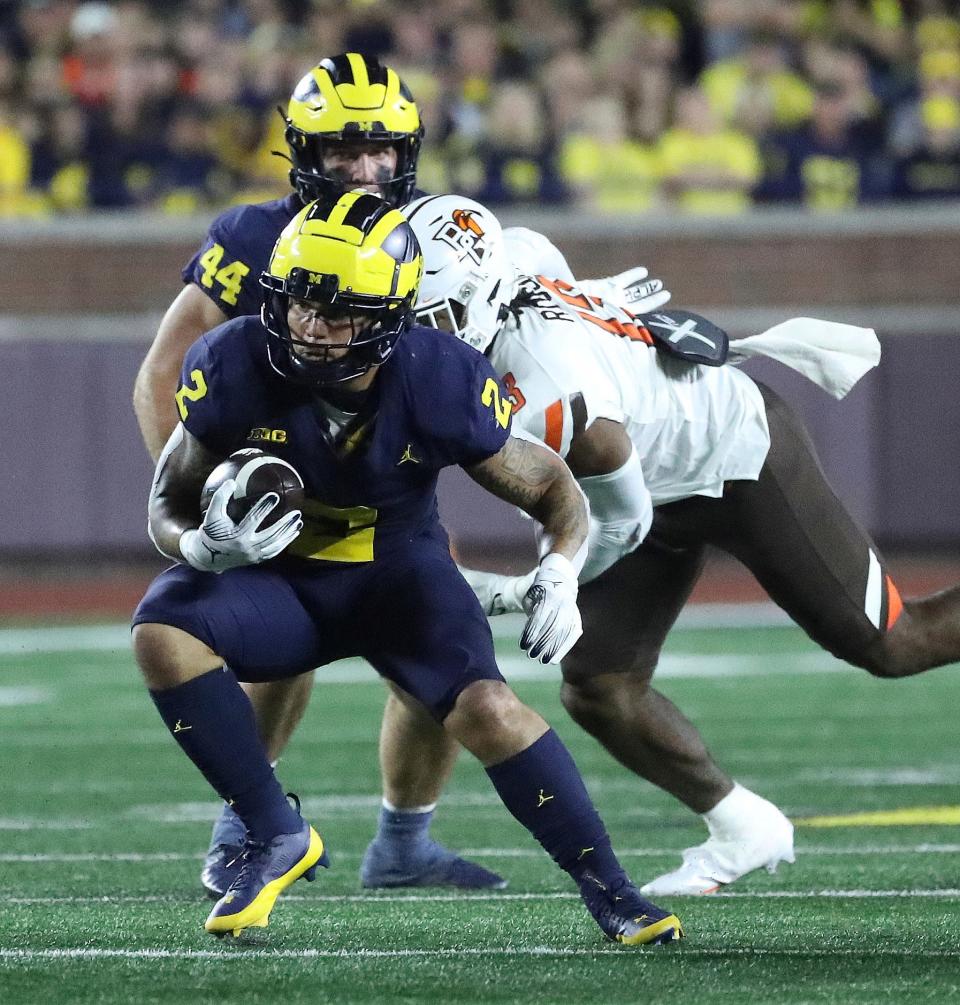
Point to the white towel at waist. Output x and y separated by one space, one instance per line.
833 355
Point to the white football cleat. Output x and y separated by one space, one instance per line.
763 840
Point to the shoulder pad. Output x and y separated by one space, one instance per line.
687 335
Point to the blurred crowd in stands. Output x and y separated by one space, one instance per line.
607 105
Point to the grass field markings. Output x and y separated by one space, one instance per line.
37 824
904 817
694 617
673 666
500 896
246 952
513 853
12 697
205 812
947 774
95 856
59 739
65 639
115 636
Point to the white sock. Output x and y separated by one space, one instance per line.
734 813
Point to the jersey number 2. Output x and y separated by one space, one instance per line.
188 393
490 396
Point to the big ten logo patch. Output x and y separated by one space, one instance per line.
260 434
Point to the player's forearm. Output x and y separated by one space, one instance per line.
562 512
536 480
167 527
174 505
154 404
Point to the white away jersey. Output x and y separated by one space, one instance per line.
694 426
530 253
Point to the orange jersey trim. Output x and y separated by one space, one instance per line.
553 421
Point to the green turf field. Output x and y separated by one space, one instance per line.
104 821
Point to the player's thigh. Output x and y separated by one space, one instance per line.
423 627
250 617
629 609
804 547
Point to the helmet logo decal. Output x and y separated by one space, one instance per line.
465 220
463 233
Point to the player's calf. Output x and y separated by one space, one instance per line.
925 634
542 788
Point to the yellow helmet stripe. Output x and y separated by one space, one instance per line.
359 66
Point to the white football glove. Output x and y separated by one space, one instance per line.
553 623
499 594
632 289
219 543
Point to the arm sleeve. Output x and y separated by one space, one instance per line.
621 512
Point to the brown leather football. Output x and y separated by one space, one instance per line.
256 473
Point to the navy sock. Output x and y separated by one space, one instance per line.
404 829
212 720
542 788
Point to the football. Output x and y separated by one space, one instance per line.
256 473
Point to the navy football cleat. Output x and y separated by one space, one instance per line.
267 869
624 916
223 862
423 863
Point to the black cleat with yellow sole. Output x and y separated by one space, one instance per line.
624 915
268 869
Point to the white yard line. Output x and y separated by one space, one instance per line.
691 666
514 853
11 697
116 636
35 824
233 954
947 893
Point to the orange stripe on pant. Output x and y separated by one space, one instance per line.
894 604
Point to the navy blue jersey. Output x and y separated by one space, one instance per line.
237 250
435 402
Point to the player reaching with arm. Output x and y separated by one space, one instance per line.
332 146
365 569
674 455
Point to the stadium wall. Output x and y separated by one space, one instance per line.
81 300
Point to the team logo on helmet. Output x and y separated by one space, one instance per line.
463 232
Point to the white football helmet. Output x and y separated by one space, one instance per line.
467 279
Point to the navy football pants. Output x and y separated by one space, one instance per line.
410 614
